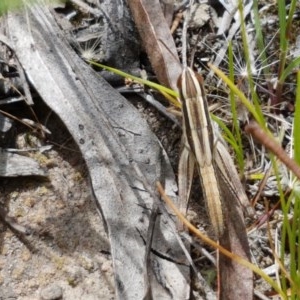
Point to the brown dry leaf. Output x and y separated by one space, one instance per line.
157 40
236 281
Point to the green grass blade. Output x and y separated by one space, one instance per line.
285 24
254 95
257 115
287 71
236 140
229 137
296 123
290 228
293 245
290 18
8 5
164 90
282 33
260 40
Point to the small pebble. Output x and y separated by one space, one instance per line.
52 292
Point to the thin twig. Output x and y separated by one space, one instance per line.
260 135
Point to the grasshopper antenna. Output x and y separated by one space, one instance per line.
184 36
187 16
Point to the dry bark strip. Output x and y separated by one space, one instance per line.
157 40
14 165
236 281
113 139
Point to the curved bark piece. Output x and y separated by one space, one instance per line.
236 281
14 165
114 140
157 40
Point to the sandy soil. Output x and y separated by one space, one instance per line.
67 254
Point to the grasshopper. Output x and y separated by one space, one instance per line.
200 147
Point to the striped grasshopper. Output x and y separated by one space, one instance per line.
218 175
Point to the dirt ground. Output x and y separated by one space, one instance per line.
67 253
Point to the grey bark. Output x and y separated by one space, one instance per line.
115 142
